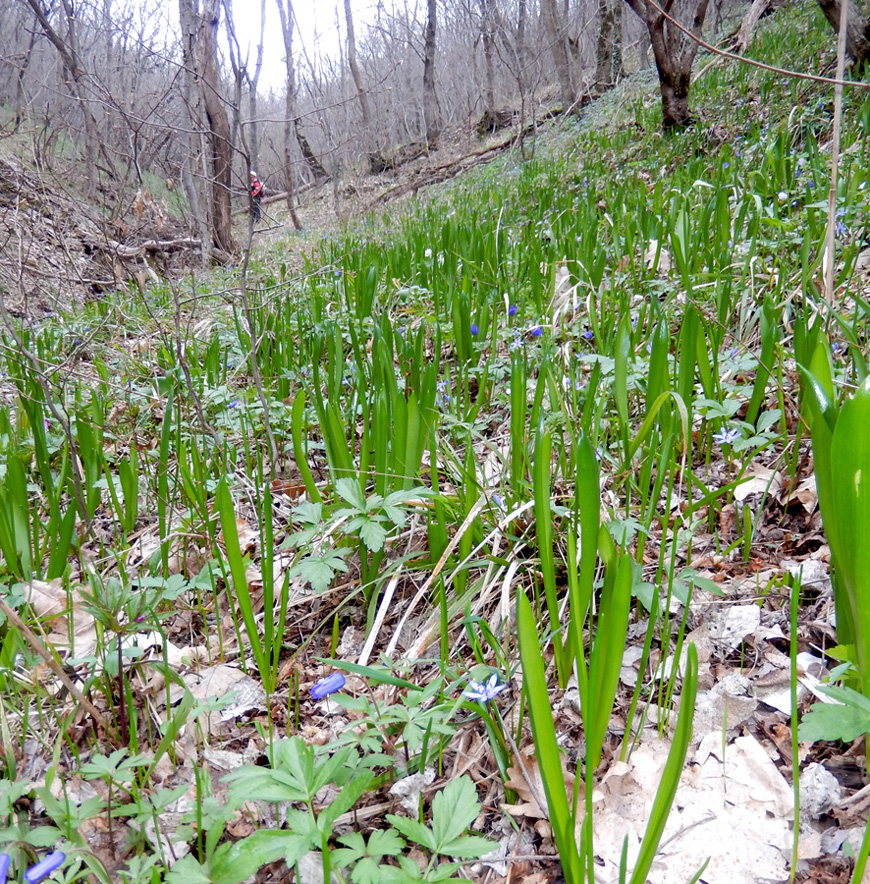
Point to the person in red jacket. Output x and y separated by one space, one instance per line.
256 195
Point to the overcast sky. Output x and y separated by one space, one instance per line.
317 31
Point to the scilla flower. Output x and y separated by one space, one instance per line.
327 686
483 692
727 437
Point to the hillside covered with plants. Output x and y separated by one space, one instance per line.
514 530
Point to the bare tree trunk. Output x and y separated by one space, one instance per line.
194 171
561 58
431 116
253 84
857 29
314 164
200 56
674 53
609 41
487 35
20 103
355 74
68 51
287 19
221 156
239 69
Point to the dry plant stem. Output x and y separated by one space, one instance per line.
57 669
255 364
835 156
56 413
539 797
454 542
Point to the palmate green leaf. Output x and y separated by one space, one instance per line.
454 809
467 847
350 492
845 720
368 857
372 533
319 570
234 862
188 871
413 831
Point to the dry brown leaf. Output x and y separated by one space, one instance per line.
759 481
50 603
518 780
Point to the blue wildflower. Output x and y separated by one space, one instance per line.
537 331
483 692
512 310
727 437
44 867
474 328
327 686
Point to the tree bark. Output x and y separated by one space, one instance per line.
857 29
290 123
431 116
253 83
674 54
199 31
609 42
221 156
69 55
561 57
487 30
314 164
362 97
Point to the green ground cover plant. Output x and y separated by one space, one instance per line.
479 449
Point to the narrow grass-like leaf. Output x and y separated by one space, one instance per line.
240 583
544 530
546 748
667 789
606 660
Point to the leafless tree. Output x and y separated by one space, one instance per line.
609 41
555 30
362 97
431 114
857 28
287 20
200 28
674 53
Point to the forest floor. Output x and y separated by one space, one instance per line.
426 336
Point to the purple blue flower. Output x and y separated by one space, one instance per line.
474 328
727 437
537 331
483 692
327 686
512 310
44 867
